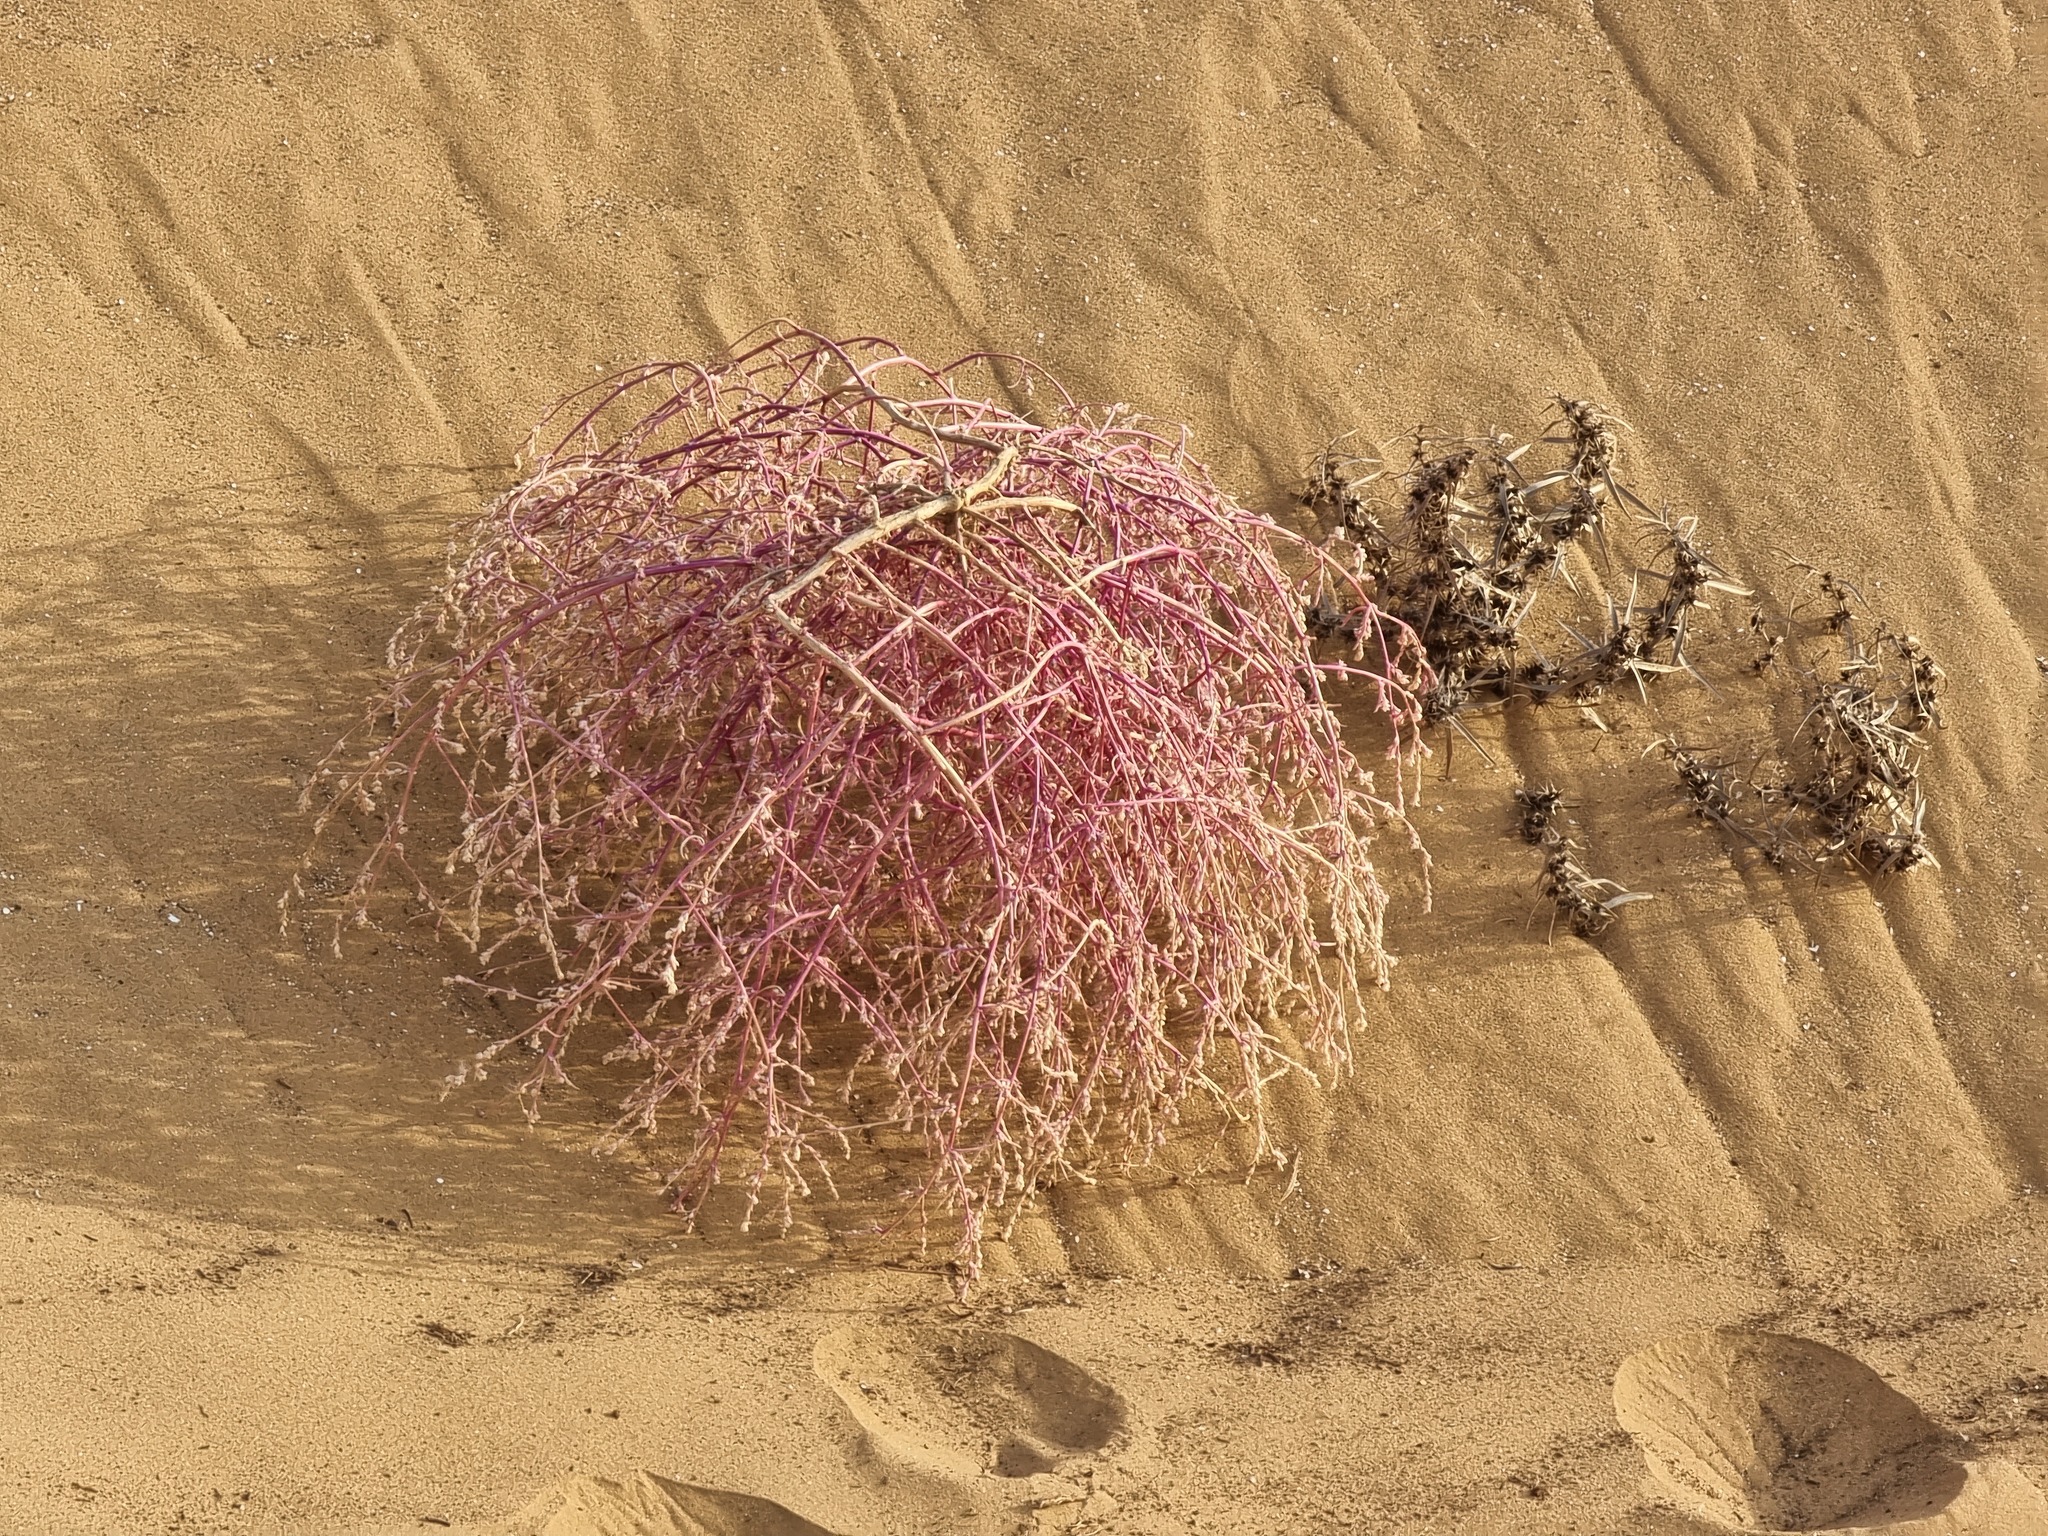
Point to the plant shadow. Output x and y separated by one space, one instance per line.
165 696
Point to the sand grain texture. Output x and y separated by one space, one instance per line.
283 286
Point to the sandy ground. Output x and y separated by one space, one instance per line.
283 285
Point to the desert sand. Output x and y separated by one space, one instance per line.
282 287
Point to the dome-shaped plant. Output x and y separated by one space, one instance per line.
851 751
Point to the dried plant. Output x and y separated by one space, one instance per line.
1856 784
1470 540
1584 900
1731 800
1478 539
858 756
1540 809
1848 791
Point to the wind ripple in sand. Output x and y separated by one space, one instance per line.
1767 1431
646 1505
969 1401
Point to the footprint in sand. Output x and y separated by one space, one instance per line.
965 1402
1763 1431
646 1505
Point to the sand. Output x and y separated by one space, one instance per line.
281 289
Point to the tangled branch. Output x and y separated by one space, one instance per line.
863 758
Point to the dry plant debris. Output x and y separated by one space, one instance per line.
1476 542
1587 902
866 760
1848 792
1467 539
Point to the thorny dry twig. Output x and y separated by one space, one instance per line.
1477 539
1587 902
1855 785
1467 539
1847 792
